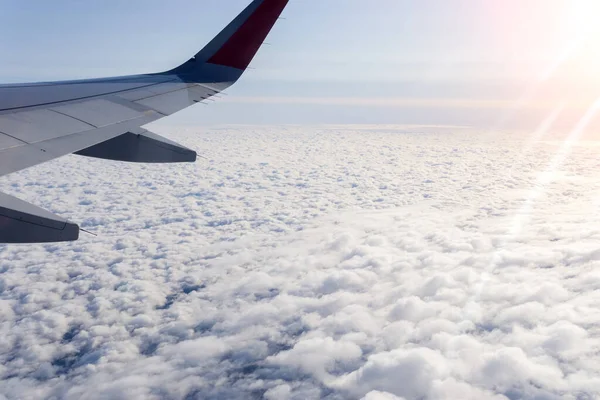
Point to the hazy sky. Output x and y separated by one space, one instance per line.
329 61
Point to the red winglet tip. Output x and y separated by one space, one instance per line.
242 46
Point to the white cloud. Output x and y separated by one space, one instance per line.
409 373
331 262
377 395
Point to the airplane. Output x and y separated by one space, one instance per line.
103 118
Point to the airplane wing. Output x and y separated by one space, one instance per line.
102 118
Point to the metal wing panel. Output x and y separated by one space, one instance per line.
163 88
132 95
37 135
171 102
6 142
135 95
203 91
99 112
82 116
18 158
15 97
38 125
169 87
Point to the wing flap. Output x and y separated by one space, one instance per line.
140 146
21 222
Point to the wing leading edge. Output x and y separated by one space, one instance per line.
102 118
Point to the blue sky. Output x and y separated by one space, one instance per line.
340 49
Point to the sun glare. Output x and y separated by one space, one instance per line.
570 74
583 30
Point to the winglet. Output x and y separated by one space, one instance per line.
237 44
249 34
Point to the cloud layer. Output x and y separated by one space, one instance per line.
296 263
